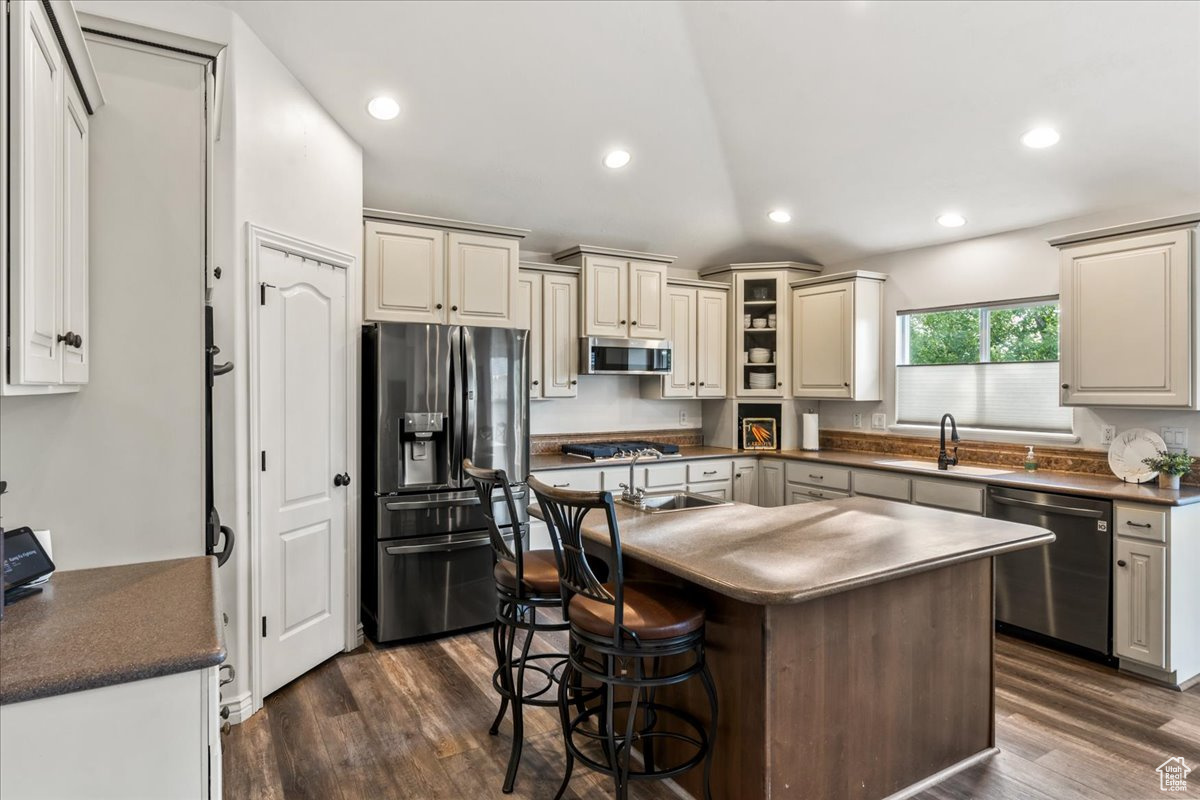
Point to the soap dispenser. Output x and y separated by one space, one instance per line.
1030 460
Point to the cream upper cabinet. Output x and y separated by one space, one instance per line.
426 273
681 303
1127 332
482 279
712 314
837 336
648 317
624 294
527 314
560 335
45 262
697 329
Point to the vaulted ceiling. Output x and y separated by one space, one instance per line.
864 119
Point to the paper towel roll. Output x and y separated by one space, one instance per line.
810 438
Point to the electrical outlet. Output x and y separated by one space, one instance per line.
1176 438
683 416
857 419
1107 434
879 420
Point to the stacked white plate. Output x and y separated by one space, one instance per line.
762 380
759 355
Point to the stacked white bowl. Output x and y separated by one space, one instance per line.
762 380
759 355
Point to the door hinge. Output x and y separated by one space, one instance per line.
262 461
264 627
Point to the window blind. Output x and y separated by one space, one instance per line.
1001 395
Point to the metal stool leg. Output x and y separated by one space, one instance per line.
498 630
564 715
514 758
711 689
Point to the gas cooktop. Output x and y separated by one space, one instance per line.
618 451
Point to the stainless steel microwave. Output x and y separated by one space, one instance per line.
625 356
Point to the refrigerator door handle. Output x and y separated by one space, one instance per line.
471 395
448 502
441 547
456 407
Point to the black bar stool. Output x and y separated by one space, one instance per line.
621 633
526 580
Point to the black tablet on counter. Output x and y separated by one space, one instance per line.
25 560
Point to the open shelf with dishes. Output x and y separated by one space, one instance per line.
758 319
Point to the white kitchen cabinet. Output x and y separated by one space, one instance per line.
885 485
547 304
583 479
623 294
745 481
45 260
837 336
435 273
820 475
810 494
697 313
1128 300
948 494
1139 601
771 483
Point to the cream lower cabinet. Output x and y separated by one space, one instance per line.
837 336
45 280
623 294
698 318
1127 306
547 304
423 273
1140 601
745 481
771 483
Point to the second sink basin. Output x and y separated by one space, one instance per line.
659 502
933 467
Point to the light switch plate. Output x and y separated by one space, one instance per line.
857 419
1176 438
879 420
1107 434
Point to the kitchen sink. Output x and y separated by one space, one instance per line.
932 466
658 502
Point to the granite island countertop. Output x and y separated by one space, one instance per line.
90 628
790 554
1084 485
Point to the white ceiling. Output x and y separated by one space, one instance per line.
865 119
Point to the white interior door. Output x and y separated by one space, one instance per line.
303 389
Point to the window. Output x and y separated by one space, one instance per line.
993 366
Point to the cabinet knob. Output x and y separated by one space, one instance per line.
847 385
574 382
623 322
691 383
701 383
779 385
1122 563
439 306
634 322
1066 386
535 383
454 308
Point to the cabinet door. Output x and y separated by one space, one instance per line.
712 341
1139 602
75 239
770 484
822 340
1126 329
483 279
605 297
527 313
745 482
722 490
682 380
560 335
404 269
35 277
648 317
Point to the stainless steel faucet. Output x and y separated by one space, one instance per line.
630 494
945 460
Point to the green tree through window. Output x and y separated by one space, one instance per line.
944 337
1021 333
1028 333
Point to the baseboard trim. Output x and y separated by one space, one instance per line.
938 777
240 708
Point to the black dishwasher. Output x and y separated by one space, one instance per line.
1060 593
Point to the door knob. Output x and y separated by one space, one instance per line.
71 339
341 480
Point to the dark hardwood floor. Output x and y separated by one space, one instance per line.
411 722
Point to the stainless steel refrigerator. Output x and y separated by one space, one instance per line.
433 395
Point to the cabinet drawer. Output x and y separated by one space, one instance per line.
1142 522
818 475
666 475
944 494
809 494
705 471
580 480
883 484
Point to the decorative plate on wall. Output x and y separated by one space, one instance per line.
1127 451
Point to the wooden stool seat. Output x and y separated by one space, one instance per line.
540 573
652 611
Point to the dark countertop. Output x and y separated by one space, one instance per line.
790 554
1103 486
97 627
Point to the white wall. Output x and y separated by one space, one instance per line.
610 403
1011 265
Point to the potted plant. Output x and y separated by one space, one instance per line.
1170 467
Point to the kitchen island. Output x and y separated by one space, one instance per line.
850 640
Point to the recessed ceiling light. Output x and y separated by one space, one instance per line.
779 215
383 108
616 159
1040 137
952 220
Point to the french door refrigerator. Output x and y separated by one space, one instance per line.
432 396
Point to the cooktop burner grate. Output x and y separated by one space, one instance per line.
599 451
